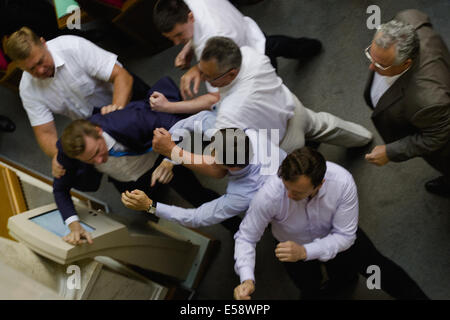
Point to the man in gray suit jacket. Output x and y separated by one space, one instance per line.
409 92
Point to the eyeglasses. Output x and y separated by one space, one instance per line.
216 78
376 64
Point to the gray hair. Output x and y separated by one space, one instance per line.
225 51
401 34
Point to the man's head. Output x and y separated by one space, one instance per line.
83 141
303 173
232 148
393 49
30 53
174 20
220 61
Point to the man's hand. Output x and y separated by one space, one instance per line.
110 108
136 200
57 170
159 102
378 156
162 142
244 290
289 251
183 59
77 234
163 174
192 76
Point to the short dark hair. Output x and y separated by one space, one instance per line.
304 161
72 139
225 51
233 148
167 13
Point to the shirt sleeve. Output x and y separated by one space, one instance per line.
96 61
210 213
262 210
38 113
343 229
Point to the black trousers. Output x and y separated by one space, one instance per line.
343 269
184 182
291 48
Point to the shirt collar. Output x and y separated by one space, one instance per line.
57 60
110 142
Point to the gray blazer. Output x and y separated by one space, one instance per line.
413 115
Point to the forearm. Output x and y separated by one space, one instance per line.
203 164
204 102
46 136
122 93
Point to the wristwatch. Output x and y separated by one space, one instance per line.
152 208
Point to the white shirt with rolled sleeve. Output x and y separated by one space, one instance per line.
257 97
80 82
214 18
325 225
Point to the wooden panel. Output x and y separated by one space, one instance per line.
12 200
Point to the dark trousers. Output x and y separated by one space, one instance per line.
343 269
184 182
291 48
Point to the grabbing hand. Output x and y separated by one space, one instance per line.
289 251
192 76
57 170
77 234
378 156
183 59
162 142
244 290
163 174
136 200
159 102
110 108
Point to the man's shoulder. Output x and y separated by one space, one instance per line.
338 174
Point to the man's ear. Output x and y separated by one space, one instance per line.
407 62
191 17
43 42
99 130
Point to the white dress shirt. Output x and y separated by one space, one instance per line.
220 18
80 82
257 97
242 184
325 224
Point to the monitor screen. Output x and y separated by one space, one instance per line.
53 222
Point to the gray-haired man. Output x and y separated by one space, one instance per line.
408 89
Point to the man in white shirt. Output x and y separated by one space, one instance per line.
253 96
67 75
193 22
312 206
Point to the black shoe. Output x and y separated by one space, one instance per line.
438 186
6 125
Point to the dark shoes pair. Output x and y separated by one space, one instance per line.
438 186
6 125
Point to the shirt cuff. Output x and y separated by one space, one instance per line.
161 210
313 251
246 273
71 219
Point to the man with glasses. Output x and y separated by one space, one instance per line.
252 96
408 90
193 22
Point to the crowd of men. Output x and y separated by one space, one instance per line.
130 131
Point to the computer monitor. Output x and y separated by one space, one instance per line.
42 229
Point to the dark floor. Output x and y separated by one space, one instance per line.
406 223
